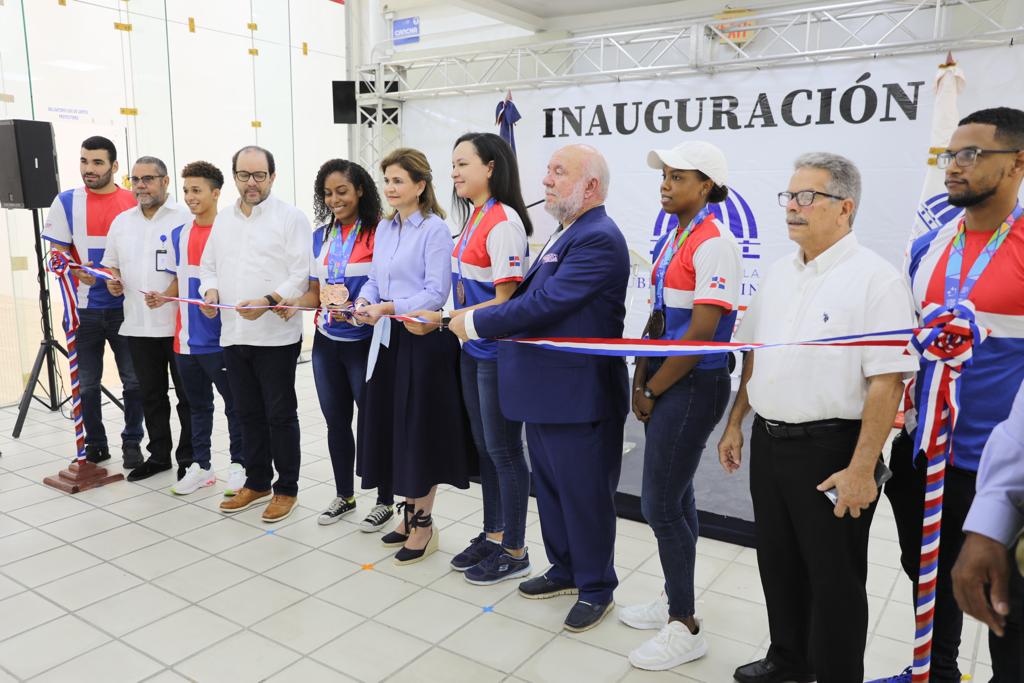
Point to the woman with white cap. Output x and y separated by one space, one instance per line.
694 294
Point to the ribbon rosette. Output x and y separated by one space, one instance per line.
946 340
60 265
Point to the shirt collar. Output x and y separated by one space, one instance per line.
415 219
829 257
257 210
165 207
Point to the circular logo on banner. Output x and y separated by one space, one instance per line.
936 211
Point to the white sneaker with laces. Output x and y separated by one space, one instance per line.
236 479
652 616
195 478
674 645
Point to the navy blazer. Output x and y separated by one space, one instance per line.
577 289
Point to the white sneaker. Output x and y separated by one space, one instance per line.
195 478
652 616
674 645
236 479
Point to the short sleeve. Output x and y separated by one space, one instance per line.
57 227
111 255
506 245
176 248
718 270
318 237
889 307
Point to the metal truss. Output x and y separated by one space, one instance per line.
830 31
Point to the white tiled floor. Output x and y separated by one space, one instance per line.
129 583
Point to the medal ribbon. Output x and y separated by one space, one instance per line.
668 251
340 251
955 292
468 234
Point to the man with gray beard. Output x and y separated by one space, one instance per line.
574 406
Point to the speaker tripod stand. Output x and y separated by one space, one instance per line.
48 348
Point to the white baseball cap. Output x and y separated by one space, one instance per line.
693 155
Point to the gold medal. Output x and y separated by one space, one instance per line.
460 293
656 324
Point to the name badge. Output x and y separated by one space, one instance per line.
161 260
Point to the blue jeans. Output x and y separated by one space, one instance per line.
504 476
95 327
679 427
339 370
200 373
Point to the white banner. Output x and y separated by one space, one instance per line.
876 112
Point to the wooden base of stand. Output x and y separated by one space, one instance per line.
81 476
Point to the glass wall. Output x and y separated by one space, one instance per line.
181 80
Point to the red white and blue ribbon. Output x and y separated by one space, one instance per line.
946 341
679 347
60 265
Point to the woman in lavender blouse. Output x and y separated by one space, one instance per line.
416 432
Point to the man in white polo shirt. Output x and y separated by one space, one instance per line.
257 255
139 256
822 416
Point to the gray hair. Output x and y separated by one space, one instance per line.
160 165
844 178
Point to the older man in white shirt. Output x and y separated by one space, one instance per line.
257 255
138 245
822 416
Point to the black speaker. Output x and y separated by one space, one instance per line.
28 164
344 93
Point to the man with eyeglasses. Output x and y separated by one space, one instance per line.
78 223
822 416
140 258
979 257
257 255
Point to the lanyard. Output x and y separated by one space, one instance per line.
955 292
469 232
339 252
668 251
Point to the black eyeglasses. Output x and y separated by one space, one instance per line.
967 156
258 176
804 197
144 180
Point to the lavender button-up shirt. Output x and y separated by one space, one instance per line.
411 264
998 508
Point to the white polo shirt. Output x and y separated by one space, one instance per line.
848 289
133 244
249 257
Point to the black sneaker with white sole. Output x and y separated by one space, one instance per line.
338 508
377 518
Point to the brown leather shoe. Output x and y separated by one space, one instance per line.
280 507
243 500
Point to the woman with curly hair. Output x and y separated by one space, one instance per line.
347 208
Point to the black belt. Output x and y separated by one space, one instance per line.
803 430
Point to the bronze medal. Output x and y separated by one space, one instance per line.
656 324
460 293
334 294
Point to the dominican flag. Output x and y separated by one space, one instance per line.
717 282
933 209
515 261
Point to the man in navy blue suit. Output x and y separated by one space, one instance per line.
574 406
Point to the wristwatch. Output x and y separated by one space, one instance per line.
648 394
446 320
270 300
